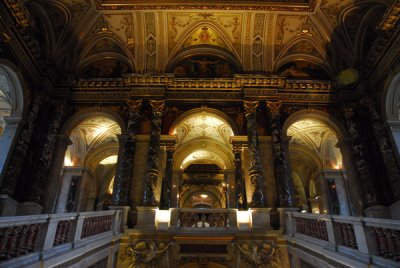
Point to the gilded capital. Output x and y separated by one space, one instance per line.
134 105
158 106
250 107
274 106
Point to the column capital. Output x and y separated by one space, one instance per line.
250 107
158 107
274 106
134 105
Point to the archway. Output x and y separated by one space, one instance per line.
204 157
90 162
11 109
317 165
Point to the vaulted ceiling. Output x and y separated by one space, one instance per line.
300 39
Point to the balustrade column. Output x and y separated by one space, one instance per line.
241 202
43 166
150 180
359 152
255 172
126 158
392 169
17 160
166 199
284 182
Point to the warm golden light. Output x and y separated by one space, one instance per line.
163 218
68 162
204 195
109 160
243 216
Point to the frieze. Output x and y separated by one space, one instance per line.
266 5
18 12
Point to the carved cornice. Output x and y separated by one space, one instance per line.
18 12
262 5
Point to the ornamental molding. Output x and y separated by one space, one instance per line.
262 5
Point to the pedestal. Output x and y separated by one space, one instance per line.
146 218
124 218
29 208
282 217
395 210
260 218
377 212
8 206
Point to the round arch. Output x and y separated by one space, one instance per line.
80 116
325 118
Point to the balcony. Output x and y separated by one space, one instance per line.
350 241
51 240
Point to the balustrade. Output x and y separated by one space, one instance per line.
376 239
203 218
26 235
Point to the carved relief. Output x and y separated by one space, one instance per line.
122 25
261 255
147 254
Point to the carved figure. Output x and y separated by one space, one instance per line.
146 254
260 256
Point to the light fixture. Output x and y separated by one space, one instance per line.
204 195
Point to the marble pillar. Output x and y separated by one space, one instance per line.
359 153
64 191
241 202
356 194
9 130
255 171
389 161
126 157
54 178
166 195
150 180
17 160
341 189
35 193
284 182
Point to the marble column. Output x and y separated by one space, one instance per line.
150 180
17 160
359 153
389 161
255 171
166 195
356 194
7 135
241 202
54 178
284 182
65 187
126 157
35 193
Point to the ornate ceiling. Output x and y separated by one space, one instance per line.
302 39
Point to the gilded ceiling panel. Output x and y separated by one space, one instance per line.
122 26
180 23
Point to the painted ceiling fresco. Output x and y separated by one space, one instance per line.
300 39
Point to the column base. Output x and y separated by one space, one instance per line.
377 212
282 217
260 218
8 206
395 210
29 208
124 219
146 218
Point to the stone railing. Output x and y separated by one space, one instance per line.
370 240
205 218
28 239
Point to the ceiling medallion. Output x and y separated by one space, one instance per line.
267 5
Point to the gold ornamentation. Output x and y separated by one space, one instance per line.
18 12
157 106
274 106
250 107
134 105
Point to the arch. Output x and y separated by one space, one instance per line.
326 118
12 107
392 97
80 116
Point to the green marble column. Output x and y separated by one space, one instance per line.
150 180
255 172
126 159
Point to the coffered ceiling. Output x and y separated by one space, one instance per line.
314 39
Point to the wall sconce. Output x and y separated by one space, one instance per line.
163 218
